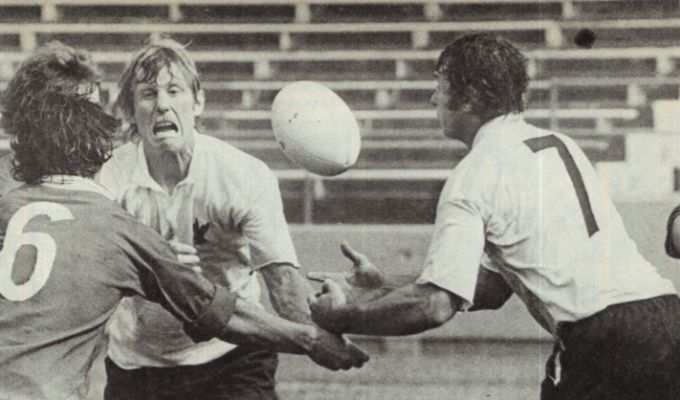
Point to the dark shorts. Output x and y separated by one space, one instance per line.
628 351
242 374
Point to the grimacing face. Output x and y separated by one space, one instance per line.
166 111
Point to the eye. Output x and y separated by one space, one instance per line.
148 94
174 90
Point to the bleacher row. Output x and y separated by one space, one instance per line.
378 55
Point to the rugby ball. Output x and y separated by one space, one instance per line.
315 128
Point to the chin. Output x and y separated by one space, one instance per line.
450 135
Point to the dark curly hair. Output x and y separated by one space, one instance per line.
487 72
55 128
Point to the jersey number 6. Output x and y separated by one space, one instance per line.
546 142
15 238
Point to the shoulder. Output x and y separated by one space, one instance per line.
119 168
232 162
125 152
123 158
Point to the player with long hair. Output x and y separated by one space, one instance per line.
69 253
523 213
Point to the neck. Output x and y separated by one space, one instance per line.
469 138
469 129
168 169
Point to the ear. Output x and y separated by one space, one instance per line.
199 103
472 95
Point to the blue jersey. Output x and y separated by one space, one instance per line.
68 257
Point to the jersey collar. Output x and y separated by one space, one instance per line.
495 126
72 182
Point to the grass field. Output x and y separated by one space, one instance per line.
451 370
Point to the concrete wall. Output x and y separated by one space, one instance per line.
402 248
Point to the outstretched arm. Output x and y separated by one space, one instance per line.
365 301
407 310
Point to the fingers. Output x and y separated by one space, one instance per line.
182 248
357 258
329 308
186 254
350 253
319 276
313 298
188 259
359 355
335 291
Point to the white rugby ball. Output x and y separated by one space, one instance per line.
315 128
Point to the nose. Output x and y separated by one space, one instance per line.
162 103
433 98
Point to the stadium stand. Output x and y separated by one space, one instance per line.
378 55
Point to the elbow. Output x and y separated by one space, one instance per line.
440 309
494 306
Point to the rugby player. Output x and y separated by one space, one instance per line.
526 205
203 192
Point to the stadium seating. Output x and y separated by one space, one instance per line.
379 56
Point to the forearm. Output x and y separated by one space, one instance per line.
407 310
288 292
251 325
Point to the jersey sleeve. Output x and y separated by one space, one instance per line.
463 215
265 227
671 250
204 308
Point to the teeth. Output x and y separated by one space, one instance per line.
164 126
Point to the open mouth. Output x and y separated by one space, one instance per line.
165 127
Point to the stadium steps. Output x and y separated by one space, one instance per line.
374 64
124 35
334 10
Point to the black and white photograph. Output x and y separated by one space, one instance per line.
339 199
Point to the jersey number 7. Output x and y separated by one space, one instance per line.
550 141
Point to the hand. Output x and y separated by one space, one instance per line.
363 279
186 254
336 352
329 308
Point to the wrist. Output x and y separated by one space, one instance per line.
309 338
343 319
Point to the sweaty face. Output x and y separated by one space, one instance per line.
166 111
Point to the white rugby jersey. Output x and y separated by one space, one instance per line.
530 201
229 207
